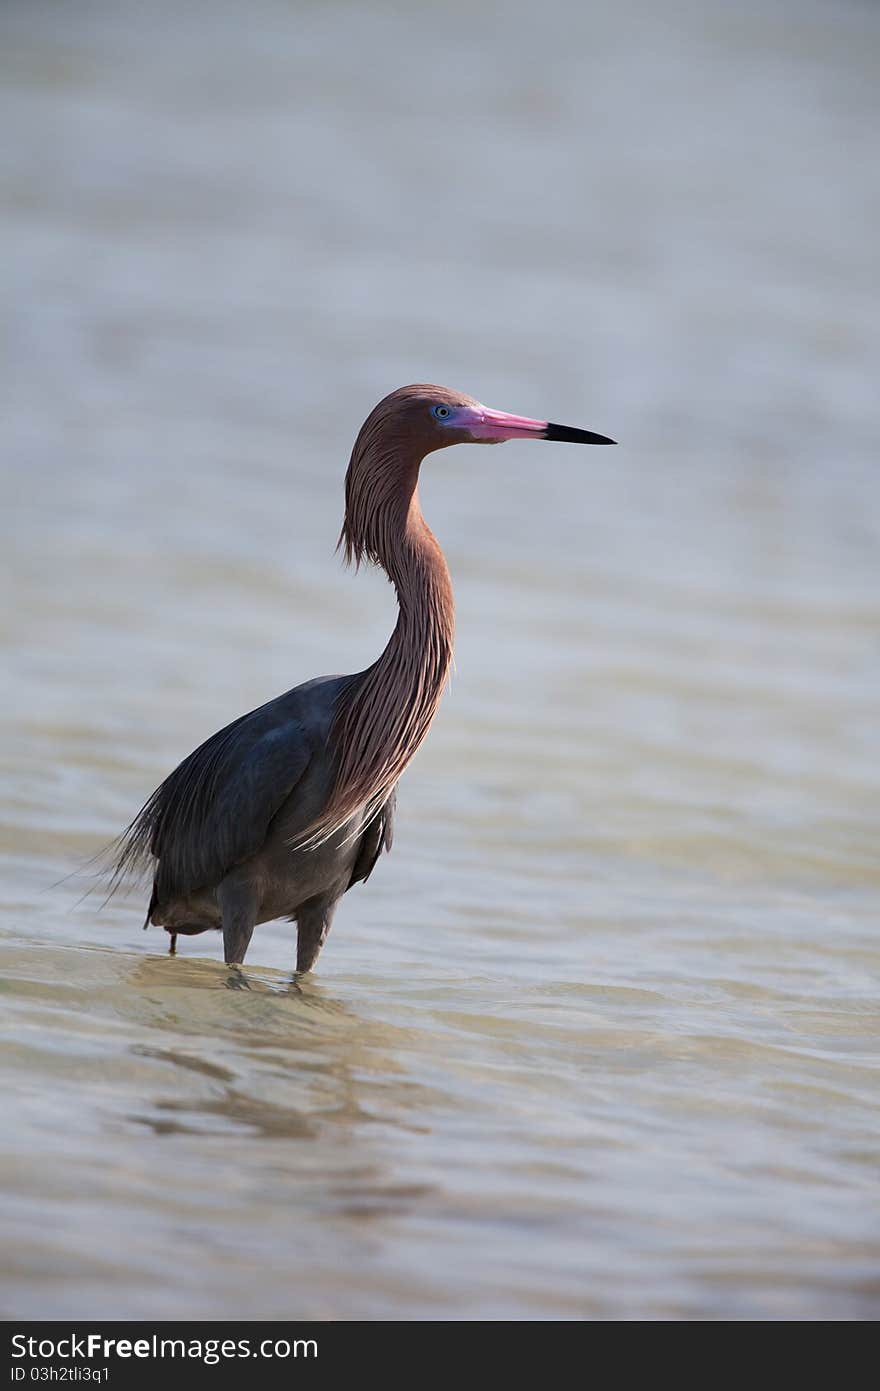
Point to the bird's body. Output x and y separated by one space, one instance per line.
282 811
228 821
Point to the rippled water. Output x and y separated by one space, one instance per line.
600 1037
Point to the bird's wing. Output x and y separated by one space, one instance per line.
377 837
214 810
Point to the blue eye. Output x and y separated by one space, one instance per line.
441 412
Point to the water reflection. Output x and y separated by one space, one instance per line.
292 1037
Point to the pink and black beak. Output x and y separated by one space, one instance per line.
491 427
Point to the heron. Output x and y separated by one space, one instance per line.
282 811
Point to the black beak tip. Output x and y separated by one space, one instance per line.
569 435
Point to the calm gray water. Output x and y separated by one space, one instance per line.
600 1038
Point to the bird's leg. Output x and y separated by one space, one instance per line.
239 904
313 921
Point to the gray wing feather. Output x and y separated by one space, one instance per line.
378 836
214 810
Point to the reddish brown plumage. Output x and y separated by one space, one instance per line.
383 717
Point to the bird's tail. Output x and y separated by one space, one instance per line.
150 909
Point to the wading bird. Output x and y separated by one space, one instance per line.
278 814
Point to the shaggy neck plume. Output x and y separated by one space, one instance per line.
384 715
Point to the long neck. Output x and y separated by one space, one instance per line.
384 715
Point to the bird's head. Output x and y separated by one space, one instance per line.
433 417
394 439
